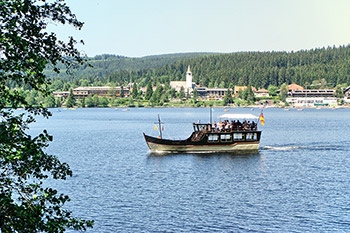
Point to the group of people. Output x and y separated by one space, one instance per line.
227 126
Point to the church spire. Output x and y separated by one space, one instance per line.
189 78
188 69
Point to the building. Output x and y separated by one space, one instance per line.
311 101
211 93
262 93
237 89
295 87
347 95
60 94
187 85
312 93
81 92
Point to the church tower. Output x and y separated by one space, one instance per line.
189 78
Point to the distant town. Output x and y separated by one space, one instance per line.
187 93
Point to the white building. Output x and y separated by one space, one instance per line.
188 85
311 101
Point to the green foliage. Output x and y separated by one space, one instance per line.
26 49
104 101
90 101
260 69
70 103
273 90
182 92
284 92
58 103
82 103
149 91
339 91
50 101
195 94
134 91
228 97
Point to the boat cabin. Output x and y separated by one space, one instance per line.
226 131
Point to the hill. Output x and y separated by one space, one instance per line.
259 69
103 65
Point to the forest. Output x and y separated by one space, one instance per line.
314 69
259 69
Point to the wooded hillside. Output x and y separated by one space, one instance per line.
259 69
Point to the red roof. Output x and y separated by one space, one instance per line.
295 87
262 90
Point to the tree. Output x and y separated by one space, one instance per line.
70 103
121 91
90 101
283 92
95 100
149 91
58 103
134 91
50 101
195 94
250 94
82 102
104 101
339 91
182 92
26 49
273 90
228 97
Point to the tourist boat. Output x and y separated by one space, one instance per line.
208 138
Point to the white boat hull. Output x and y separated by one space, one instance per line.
236 147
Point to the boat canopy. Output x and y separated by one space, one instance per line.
239 116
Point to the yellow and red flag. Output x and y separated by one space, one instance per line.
262 120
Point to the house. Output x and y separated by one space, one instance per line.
313 93
295 87
262 93
237 89
311 101
100 91
211 93
61 94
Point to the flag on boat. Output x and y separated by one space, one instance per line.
262 120
163 128
155 127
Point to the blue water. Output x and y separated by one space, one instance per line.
298 182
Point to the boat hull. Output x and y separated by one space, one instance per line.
164 145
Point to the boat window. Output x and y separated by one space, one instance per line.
237 136
251 136
213 138
225 137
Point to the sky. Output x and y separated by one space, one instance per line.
137 28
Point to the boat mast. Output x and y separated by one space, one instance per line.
211 115
159 126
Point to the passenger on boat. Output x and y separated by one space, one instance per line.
253 126
227 126
214 126
221 125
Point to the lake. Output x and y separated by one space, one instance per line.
299 181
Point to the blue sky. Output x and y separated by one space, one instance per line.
138 28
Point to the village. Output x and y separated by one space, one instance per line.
295 95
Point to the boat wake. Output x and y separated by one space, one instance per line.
314 147
282 148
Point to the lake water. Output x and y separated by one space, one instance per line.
298 182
